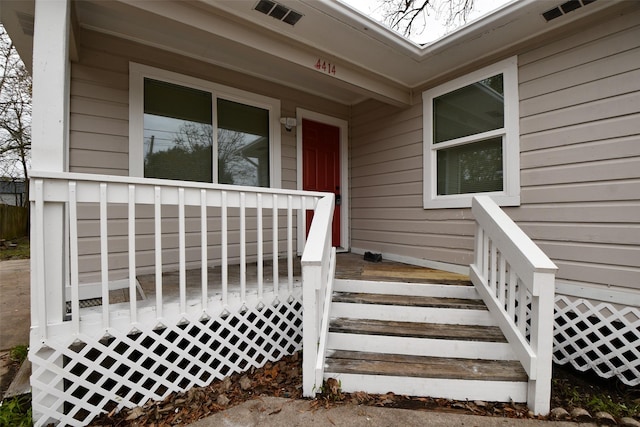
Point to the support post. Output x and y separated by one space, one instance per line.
49 132
49 136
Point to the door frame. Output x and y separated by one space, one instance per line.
343 125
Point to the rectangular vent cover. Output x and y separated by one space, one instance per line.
278 11
565 8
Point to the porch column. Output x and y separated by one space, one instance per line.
49 151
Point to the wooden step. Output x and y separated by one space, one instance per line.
419 339
455 307
428 376
413 314
413 289
357 362
409 300
417 330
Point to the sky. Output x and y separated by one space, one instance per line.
435 28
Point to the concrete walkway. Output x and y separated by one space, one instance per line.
279 412
15 320
15 303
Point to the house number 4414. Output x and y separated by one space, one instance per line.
325 67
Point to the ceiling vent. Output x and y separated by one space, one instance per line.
565 8
278 11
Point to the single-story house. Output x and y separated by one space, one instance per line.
178 135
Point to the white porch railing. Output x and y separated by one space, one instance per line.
121 353
78 191
516 281
318 272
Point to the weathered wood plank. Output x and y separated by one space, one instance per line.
352 362
417 330
409 300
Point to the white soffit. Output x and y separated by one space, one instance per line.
344 33
235 44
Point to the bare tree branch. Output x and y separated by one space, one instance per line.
408 17
15 113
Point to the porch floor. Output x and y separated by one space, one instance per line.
349 266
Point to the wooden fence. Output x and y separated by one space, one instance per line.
13 221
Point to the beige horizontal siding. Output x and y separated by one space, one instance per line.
386 187
580 163
99 144
600 150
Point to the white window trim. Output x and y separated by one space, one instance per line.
137 74
510 196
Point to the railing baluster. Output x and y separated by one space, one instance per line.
73 255
38 248
204 258
303 233
275 244
290 242
133 307
181 251
485 256
479 253
243 248
104 255
493 275
502 273
522 307
511 306
157 219
223 261
260 260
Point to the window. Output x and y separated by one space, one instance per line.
188 129
471 138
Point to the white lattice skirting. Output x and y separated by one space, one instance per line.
79 377
598 336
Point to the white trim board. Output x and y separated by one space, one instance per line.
627 297
137 74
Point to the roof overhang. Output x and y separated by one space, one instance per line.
370 61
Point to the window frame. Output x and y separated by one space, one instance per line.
510 194
137 74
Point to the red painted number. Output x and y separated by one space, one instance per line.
325 67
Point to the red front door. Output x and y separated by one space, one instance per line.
321 165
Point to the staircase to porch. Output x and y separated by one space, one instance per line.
491 340
419 339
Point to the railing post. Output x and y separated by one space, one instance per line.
315 265
541 340
49 138
311 279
